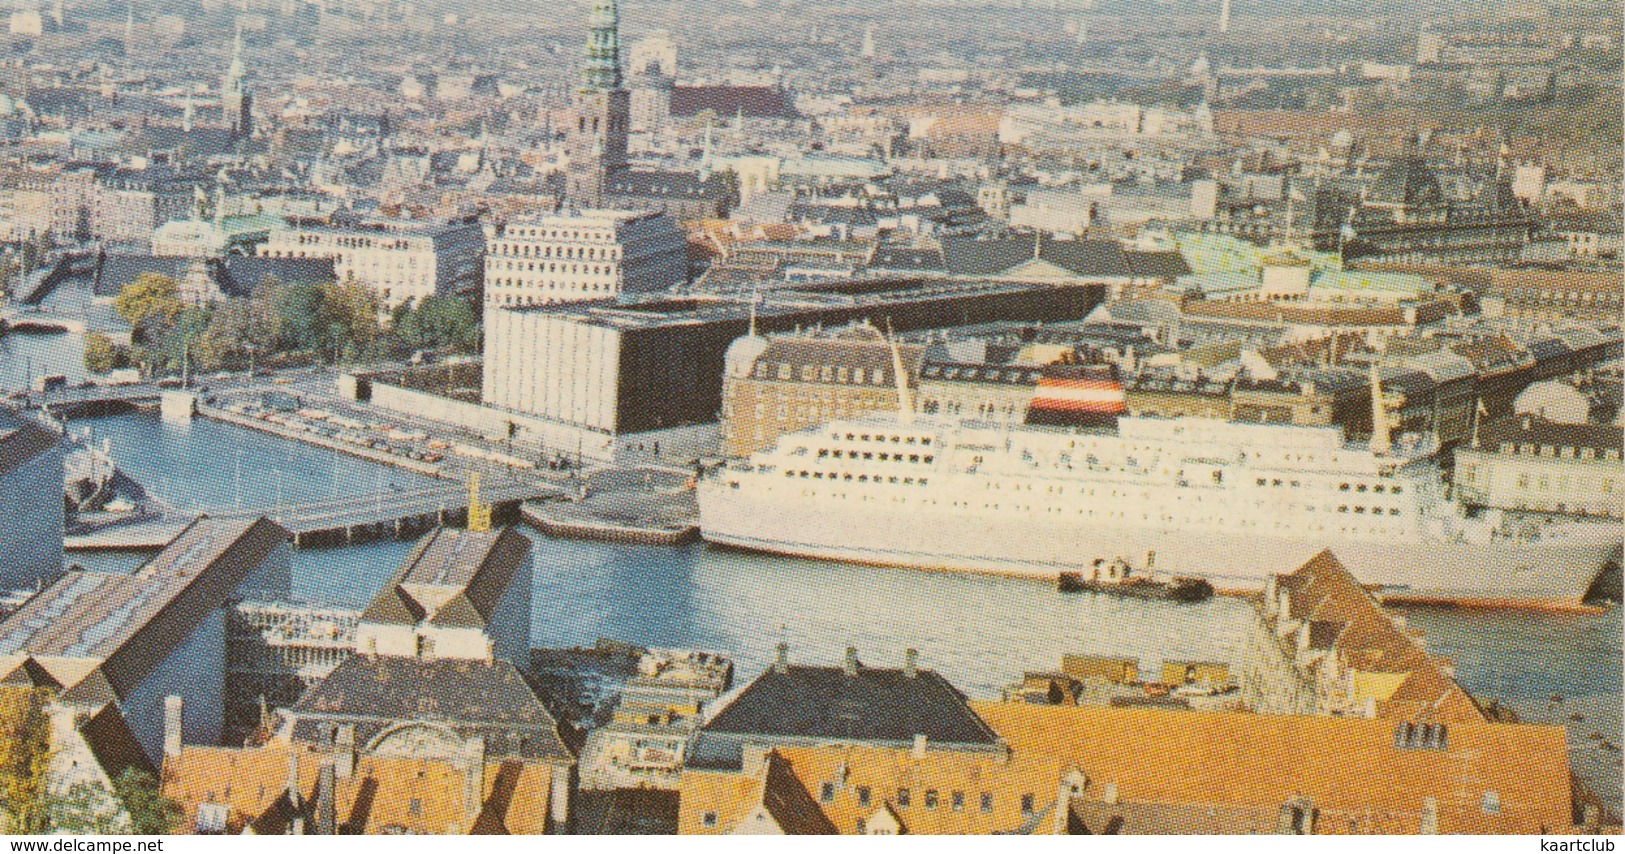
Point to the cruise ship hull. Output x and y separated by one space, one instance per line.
1504 571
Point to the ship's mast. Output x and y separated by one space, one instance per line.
1380 441
905 399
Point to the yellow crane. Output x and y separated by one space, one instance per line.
479 515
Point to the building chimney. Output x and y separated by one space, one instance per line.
920 743
781 662
850 665
1430 817
558 798
172 725
752 757
344 751
474 777
296 799
911 662
327 821
1109 793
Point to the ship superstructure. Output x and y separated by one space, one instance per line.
1225 501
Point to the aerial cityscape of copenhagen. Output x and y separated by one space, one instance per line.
763 417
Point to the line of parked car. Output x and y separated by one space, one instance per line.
379 437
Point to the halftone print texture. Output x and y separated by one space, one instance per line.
719 417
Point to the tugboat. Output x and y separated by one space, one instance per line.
1118 578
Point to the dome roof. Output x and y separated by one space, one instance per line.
1408 181
742 355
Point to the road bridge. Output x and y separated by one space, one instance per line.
395 513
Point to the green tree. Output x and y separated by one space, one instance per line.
152 298
437 322
150 811
100 355
25 756
298 309
351 312
179 341
86 808
235 327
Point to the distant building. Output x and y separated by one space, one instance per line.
1530 464
600 380
1593 399
596 142
1037 258
807 750
298 790
236 98
31 464
645 742
458 595
591 255
1155 771
390 744
214 238
133 639
999 393
779 385
1321 645
852 705
398 262
729 102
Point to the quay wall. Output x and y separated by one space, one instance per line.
377 456
541 433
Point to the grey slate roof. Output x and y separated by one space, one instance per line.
900 258
242 275
127 623
487 698
1168 265
116 271
972 256
21 440
471 570
665 185
813 705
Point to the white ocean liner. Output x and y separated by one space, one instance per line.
1229 502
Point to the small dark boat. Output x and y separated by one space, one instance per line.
1117 579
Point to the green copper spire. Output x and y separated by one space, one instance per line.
601 72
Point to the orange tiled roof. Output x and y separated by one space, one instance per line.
1349 768
1322 590
945 790
384 794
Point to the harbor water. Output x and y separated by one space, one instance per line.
981 632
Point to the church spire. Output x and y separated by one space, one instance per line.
601 72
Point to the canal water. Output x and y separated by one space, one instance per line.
981 632
26 356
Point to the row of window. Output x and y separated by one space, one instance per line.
1564 452
879 437
552 286
822 373
930 800
522 250
1544 483
574 269
862 478
870 455
510 299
